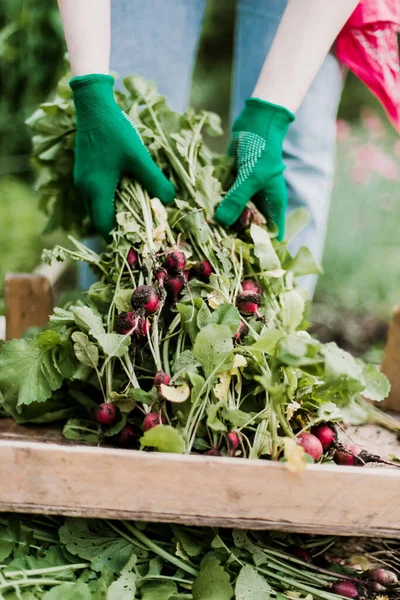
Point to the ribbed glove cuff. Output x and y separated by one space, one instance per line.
94 101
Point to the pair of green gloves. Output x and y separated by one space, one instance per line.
108 144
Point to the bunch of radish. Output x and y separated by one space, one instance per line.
324 439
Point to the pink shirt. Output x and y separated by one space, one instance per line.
367 45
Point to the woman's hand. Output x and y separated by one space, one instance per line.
256 145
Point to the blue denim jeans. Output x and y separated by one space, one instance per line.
158 39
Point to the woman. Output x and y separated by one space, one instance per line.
287 86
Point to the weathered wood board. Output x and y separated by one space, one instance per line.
62 478
29 303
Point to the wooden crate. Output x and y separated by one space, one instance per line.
41 472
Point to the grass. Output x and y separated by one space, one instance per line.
362 253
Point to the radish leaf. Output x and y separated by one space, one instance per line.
212 582
94 541
251 586
165 438
214 348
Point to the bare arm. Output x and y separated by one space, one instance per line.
87 33
305 35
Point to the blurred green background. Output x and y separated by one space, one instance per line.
361 284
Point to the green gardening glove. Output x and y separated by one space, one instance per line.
256 145
108 144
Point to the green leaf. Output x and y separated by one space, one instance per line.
298 350
188 314
341 370
128 222
123 300
263 248
213 421
123 588
227 314
190 544
85 351
214 348
81 430
250 585
93 541
27 371
88 320
203 316
296 220
66 591
61 316
268 341
142 396
212 583
114 344
157 590
165 438
237 417
292 310
304 263
185 363
52 557
377 385
329 411
7 543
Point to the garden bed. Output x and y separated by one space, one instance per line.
41 472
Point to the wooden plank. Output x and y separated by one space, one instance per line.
29 303
86 481
391 363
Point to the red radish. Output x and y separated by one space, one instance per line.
127 437
302 553
232 441
377 587
144 328
248 303
174 285
186 275
133 324
132 258
242 331
126 323
105 414
348 455
213 452
161 377
145 297
311 445
346 589
203 270
249 215
175 261
152 420
248 285
326 433
383 576
160 274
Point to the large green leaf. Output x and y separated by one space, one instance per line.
123 588
97 543
250 585
27 370
165 438
377 385
212 583
66 591
214 348
264 249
